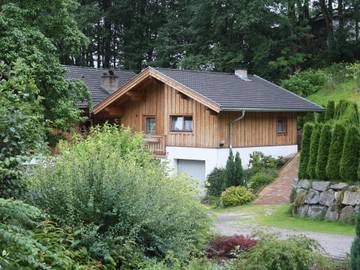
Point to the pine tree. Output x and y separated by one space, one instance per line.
238 170
323 152
355 248
350 156
330 110
335 152
305 150
314 146
230 170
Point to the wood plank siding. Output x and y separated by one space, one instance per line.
210 129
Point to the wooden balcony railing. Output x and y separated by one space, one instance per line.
156 144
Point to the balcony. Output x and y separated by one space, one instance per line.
155 144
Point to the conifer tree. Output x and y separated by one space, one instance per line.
350 157
230 170
323 152
355 248
305 150
314 146
330 110
238 171
320 117
335 152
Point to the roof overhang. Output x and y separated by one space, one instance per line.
153 73
232 109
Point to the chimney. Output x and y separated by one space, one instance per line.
242 74
109 81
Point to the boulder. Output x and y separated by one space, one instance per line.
351 198
320 185
332 214
304 184
302 211
317 211
339 186
353 188
312 197
347 214
327 198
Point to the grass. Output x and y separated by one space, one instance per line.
345 90
278 216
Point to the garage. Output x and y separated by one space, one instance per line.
194 168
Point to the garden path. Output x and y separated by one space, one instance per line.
278 192
230 223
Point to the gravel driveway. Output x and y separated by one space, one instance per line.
336 246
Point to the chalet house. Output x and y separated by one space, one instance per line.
193 118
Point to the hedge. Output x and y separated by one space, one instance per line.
335 152
305 150
314 146
350 156
323 152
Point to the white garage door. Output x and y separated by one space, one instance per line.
194 168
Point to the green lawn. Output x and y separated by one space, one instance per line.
346 90
277 216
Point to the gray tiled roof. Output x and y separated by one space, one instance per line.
233 93
92 78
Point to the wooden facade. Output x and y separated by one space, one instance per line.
210 128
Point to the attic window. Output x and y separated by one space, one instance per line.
281 126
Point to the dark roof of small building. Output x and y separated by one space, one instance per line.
92 78
233 93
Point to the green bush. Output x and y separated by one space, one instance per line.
305 150
258 161
294 253
314 147
123 199
335 151
262 178
215 183
323 152
350 155
330 110
233 170
305 83
29 241
355 248
234 196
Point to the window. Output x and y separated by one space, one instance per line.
281 126
181 123
150 125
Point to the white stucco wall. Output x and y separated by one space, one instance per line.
217 157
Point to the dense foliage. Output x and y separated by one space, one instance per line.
28 240
122 201
233 170
314 148
215 183
323 152
305 150
262 178
234 196
335 152
355 248
350 155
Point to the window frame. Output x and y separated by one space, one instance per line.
183 130
284 132
145 124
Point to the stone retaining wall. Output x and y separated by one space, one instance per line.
326 200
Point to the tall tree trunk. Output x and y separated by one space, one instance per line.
326 10
107 53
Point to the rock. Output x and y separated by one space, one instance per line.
327 198
351 198
305 184
347 214
357 208
353 188
339 186
332 214
317 211
320 185
302 211
312 197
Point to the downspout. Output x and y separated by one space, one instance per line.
231 125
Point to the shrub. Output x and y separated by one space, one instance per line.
225 247
305 150
262 178
234 196
350 155
323 152
330 110
29 241
314 146
295 253
258 161
233 170
335 151
215 182
127 205
355 248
